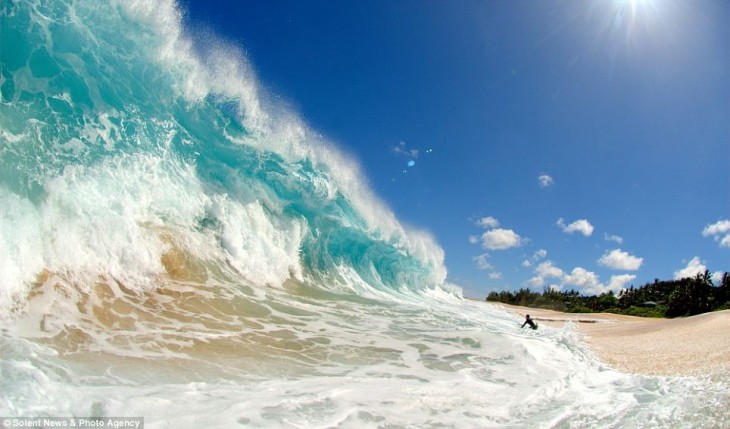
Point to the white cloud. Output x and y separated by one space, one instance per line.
487 222
694 267
719 231
588 281
615 238
717 277
500 239
473 239
585 281
615 284
721 227
547 270
545 181
620 260
482 262
619 282
582 278
402 149
544 271
540 254
495 275
536 281
581 225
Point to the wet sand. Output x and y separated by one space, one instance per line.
688 346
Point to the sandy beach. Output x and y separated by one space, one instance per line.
690 346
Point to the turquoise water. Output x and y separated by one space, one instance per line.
176 245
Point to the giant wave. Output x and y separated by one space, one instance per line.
122 142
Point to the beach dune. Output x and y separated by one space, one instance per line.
688 346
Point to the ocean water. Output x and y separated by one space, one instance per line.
176 245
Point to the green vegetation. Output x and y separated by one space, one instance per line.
674 298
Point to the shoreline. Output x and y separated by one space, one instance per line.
687 346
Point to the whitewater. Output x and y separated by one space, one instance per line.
176 245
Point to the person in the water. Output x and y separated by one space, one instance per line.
530 322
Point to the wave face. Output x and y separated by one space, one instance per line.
175 245
123 143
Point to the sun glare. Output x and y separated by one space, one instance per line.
633 23
635 16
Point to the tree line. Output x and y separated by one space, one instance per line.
669 298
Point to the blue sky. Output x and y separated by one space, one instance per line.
582 144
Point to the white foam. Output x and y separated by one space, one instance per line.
457 364
21 245
100 220
264 249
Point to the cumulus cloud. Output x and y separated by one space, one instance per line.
586 281
538 255
719 231
403 149
547 270
619 282
487 222
544 271
615 284
500 239
545 181
589 283
620 260
717 277
582 278
694 267
581 225
536 282
614 238
483 262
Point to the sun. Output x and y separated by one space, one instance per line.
634 20
636 3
